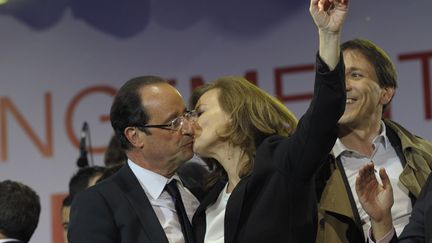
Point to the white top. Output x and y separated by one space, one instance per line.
383 156
8 240
162 203
215 216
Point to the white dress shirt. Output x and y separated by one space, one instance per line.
383 156
162 203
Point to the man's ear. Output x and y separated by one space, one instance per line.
133 136
387 94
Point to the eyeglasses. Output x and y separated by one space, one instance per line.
175 124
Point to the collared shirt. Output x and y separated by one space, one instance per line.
383 156
162 203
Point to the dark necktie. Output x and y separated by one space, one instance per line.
186 226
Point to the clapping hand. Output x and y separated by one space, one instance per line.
376 199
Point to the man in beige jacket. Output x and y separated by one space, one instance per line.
364 136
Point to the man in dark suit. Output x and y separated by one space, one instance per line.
377 200
19 212
135 204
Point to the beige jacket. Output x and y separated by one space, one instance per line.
338 222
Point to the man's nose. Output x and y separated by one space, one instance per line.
187 127
348 84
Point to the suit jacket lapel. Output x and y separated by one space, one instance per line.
233 211
194 187
139 201
199 218
335 198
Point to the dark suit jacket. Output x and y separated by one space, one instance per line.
419 228
116 210
277 202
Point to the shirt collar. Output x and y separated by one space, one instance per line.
153 183
339 147
382 137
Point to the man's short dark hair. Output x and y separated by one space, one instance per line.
80 180
114 154
67 201
127 109
109 171
384 67
19 210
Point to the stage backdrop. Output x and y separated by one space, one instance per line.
61 62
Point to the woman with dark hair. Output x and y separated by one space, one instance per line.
262 189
